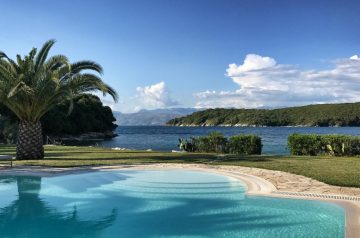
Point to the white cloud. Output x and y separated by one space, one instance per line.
147 97
264 83
154 96
251 62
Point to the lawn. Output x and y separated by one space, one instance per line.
342 171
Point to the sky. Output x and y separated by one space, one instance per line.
201 53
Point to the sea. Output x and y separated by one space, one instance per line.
165 138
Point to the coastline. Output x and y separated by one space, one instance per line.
259 182
84 137
246 125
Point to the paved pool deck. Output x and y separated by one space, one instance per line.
261 182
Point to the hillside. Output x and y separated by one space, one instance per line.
151 117
345 114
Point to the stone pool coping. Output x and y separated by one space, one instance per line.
260 182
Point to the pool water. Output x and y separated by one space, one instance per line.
155 203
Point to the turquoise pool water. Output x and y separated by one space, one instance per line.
169 203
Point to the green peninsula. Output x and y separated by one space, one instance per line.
324 115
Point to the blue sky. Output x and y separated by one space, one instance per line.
177 53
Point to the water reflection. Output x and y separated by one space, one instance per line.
30 216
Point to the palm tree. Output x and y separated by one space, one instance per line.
32 85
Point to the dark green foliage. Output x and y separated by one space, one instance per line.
335 145
8 126
8 130
244 145
305 144
215 142
345 114
186 145
88 115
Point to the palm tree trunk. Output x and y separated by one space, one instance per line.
30 141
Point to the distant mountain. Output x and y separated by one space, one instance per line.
151 117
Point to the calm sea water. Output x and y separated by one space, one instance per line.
165 138
166 203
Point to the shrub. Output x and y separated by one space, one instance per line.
186 145
309 144
245 144
215 142
335 145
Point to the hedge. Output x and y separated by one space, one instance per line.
215 142
334 145
244 144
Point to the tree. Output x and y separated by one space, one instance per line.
88 115
33 85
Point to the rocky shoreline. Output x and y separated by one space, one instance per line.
85 137
230 125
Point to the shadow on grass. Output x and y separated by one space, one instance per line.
156 157
187 158
101 152
252 158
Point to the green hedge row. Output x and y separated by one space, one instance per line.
215 142
335 145
298 144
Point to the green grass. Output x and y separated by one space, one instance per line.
342 171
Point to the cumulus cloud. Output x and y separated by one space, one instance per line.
265 83
154 96
252 62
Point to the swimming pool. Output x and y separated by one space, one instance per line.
155 203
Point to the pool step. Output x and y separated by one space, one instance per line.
315 195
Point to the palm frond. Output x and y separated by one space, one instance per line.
90 82
19 60
3 55
21 86
43 53
12 62
55 62
32 85
79 66
6 70
112 92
